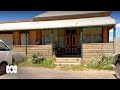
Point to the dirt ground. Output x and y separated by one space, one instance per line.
44 73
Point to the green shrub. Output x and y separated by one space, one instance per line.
37 58
26 63
47 63
102 62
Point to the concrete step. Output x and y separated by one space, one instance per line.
67 63
68 59
65 60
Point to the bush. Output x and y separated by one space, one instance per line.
102 62
37 58
47 63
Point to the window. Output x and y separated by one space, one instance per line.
92 35
23 38
97 38
3 47
71 31
67 31
46 37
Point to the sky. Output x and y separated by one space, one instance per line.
27 15
116 16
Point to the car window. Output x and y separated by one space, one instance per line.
3 47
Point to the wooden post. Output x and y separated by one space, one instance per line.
114 39
52 40
26 42
81 34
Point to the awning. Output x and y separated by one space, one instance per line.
83 22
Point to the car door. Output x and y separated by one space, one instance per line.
5 54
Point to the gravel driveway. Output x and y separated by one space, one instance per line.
44 73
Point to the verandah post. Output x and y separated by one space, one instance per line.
114 39
81 46
81 49
52 40
26 42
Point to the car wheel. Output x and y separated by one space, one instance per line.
3 68
117 70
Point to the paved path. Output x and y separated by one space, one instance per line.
43 73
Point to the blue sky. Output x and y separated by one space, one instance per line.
116 16
27 15
18 15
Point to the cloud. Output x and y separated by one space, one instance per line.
118 25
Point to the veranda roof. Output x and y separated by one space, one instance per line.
83 22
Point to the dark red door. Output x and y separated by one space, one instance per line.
70 44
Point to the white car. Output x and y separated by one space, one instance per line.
6 57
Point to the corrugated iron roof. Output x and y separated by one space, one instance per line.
64 13
83 22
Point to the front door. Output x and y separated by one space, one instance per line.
70 40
